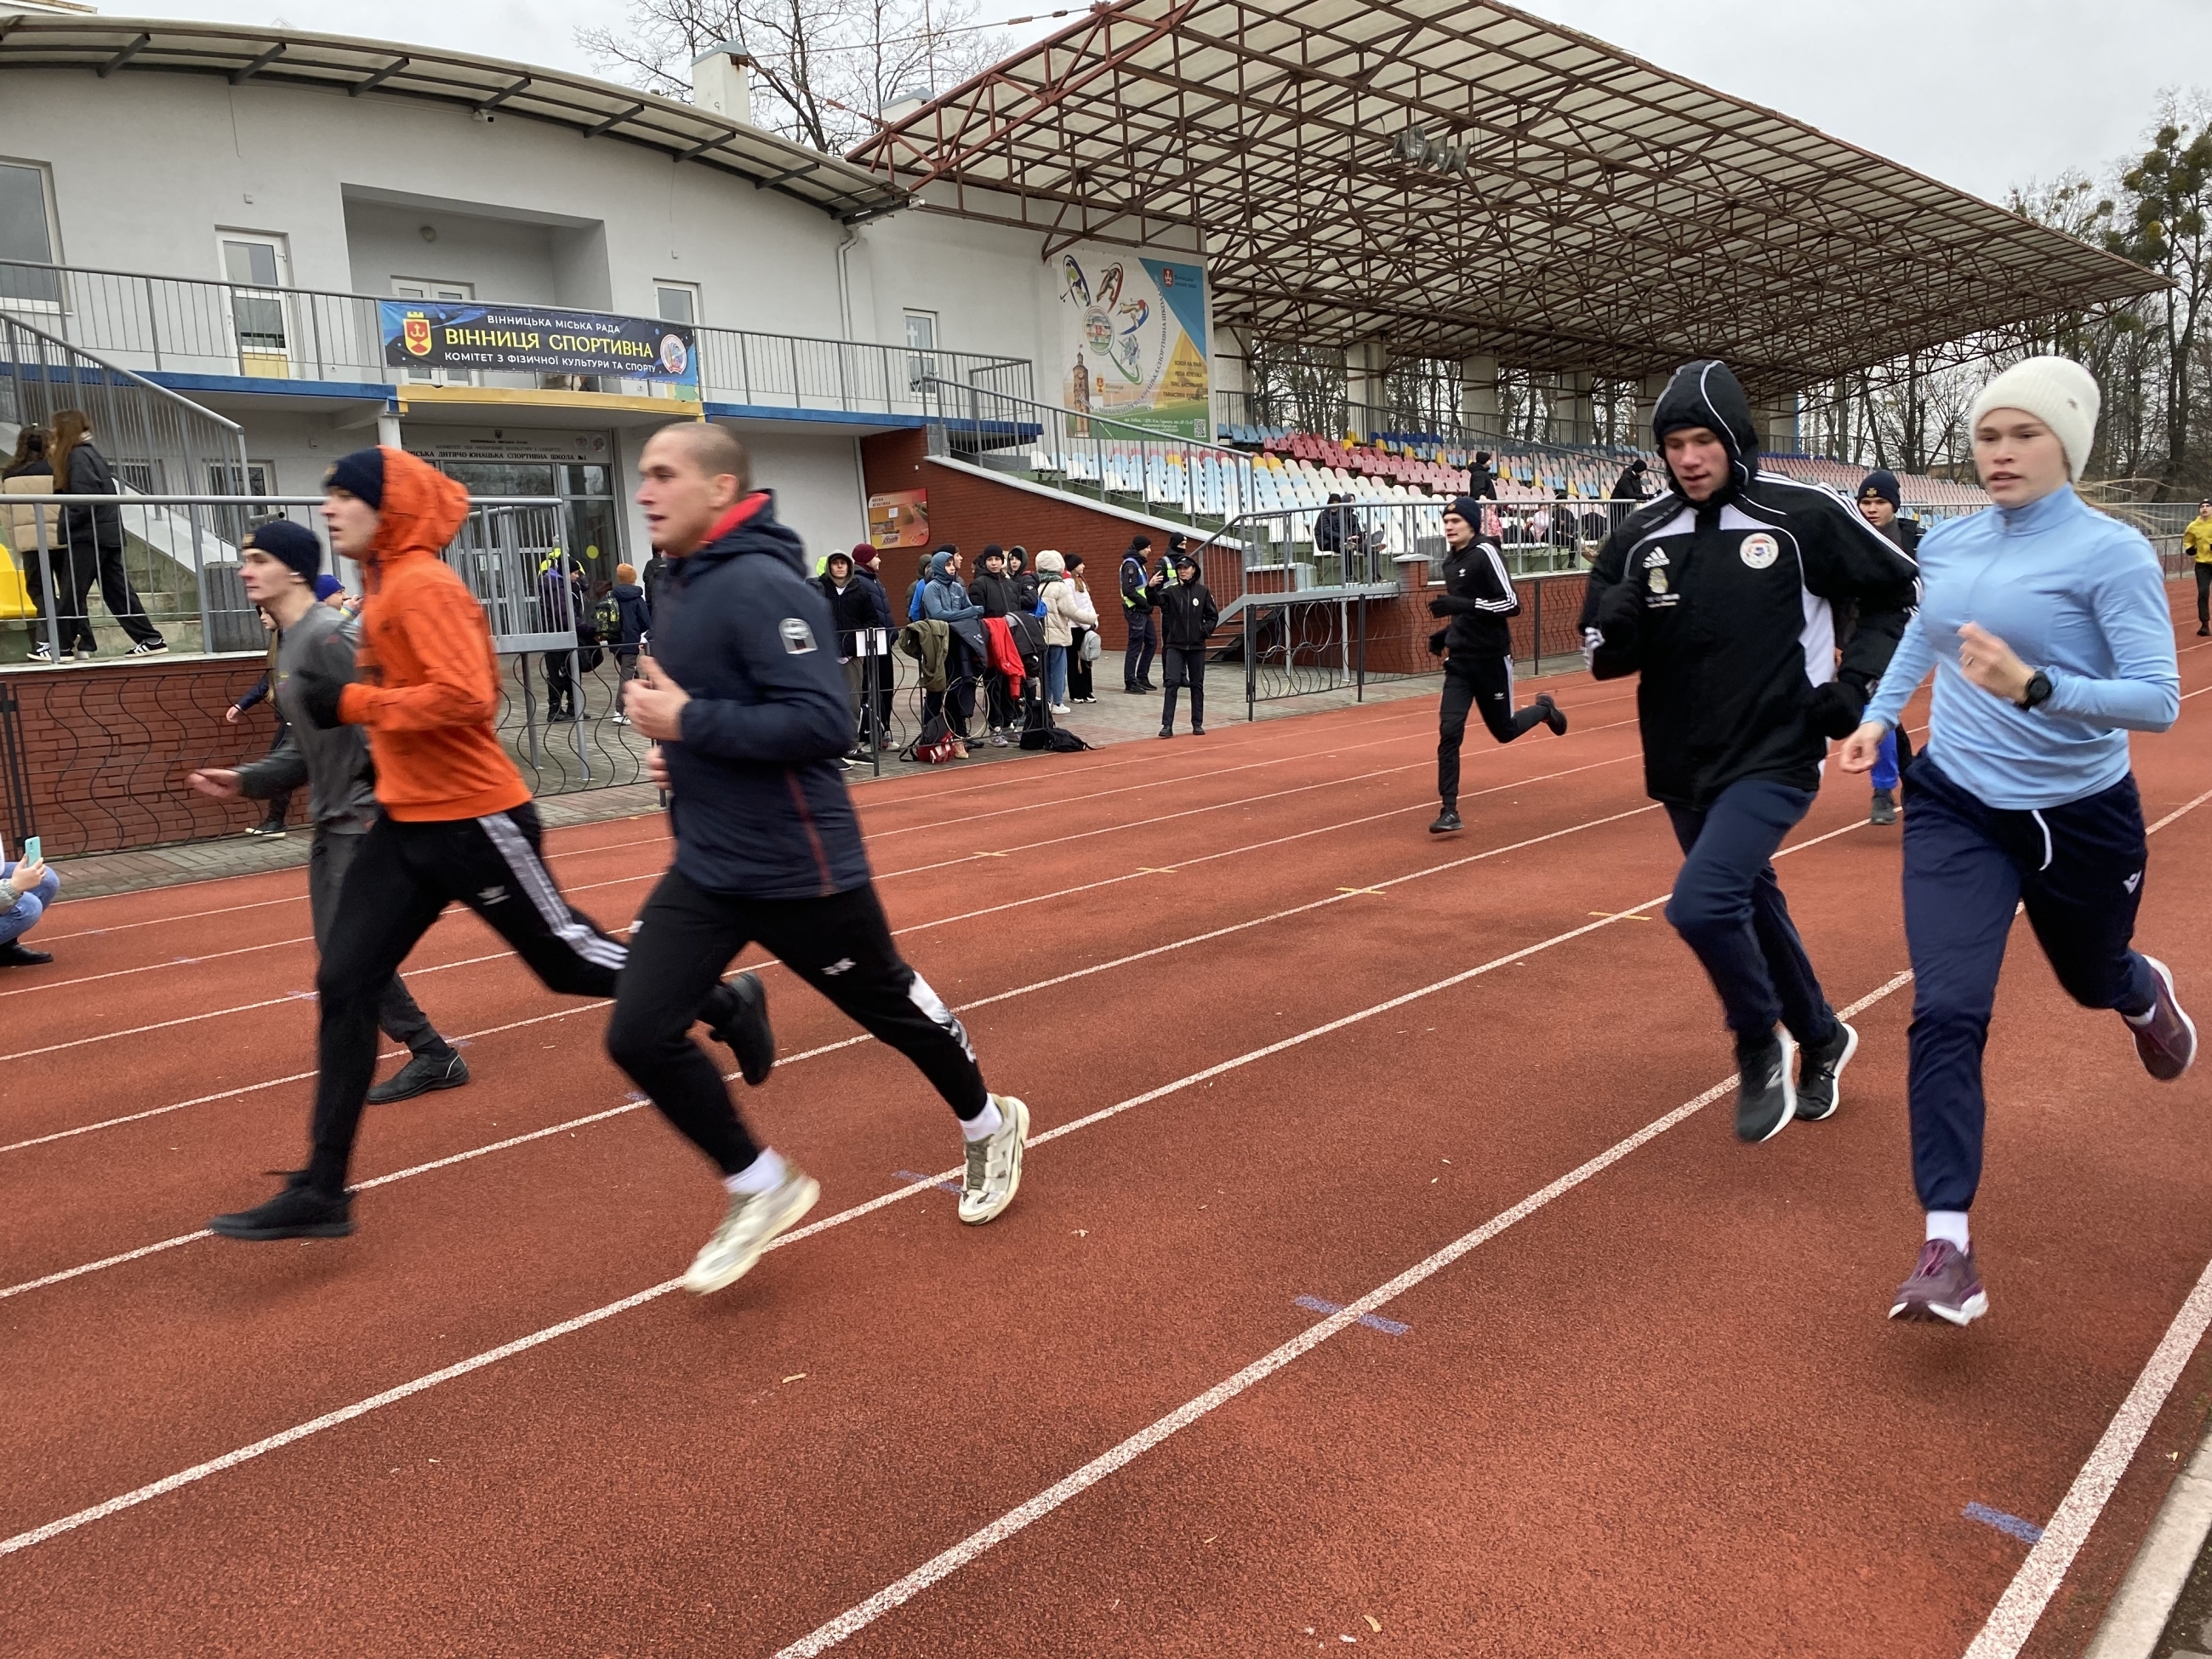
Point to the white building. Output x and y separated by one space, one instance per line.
220 209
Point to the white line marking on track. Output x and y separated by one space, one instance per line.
911 927
359 1408
58 1277
892 1596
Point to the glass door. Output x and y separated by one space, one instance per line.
258 269
408 287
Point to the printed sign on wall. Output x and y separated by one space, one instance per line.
465 335
899 518
1133 333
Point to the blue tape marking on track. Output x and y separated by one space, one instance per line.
952 1187
2026 1531
1375 1322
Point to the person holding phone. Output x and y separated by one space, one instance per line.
27 889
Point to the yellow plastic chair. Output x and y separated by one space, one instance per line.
15 596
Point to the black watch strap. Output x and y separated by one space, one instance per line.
2038 692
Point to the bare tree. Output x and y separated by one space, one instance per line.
823 70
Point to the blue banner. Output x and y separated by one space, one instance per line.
465 335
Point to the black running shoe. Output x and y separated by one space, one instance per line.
16 954
1884 809
736 1014
1447 821
298 1212
1765 1099
419 1076
1818 1071
1554 716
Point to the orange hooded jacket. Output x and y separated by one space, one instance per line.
428 690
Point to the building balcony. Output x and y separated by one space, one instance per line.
260 349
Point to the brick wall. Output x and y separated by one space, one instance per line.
106 749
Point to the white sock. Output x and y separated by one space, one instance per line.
985 1124
2143 1018
1949 1225
763 1174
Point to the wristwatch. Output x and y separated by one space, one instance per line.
2038 692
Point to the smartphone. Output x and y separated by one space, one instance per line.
31 850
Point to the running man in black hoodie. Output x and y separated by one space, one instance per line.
744 702
1479 597
1721 593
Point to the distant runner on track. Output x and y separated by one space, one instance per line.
1479 597
2048 627
454 823
1720 592
744 701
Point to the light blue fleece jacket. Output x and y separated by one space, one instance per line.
2074 592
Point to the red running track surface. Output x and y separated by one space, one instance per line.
1279 1044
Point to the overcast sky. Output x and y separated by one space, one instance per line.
1964 89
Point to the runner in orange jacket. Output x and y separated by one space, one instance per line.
455 822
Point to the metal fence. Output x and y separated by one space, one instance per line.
165 567
186 325
1096 456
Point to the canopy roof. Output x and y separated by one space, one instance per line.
1452 176
109 46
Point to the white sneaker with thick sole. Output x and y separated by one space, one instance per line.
994 1165
750 1226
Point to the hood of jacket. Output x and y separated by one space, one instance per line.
423 509
749 527
940 567
1706 393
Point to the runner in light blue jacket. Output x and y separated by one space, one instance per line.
2048 627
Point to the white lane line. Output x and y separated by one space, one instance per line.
906 1190
2014 1618
62 1274
942 1566
911 927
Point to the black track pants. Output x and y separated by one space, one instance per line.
684 939
1484 683
1184 667
402 876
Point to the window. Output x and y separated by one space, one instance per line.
255 480
256 267
678 303
26 235
921 340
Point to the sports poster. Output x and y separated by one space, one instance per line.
1132 339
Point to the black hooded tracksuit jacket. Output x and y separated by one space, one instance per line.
1727 609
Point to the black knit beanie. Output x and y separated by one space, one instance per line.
293 545
361 474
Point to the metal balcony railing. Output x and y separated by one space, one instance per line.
186 325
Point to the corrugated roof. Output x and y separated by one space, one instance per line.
112 46
1452 178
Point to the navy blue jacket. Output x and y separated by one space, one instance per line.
759 803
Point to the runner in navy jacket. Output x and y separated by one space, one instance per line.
746 705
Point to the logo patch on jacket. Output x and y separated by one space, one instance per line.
798 637
1760 550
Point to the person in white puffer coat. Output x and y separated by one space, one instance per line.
1067 608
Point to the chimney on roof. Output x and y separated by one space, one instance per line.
721 83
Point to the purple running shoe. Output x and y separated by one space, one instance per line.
1945 1284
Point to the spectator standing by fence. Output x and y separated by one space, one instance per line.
998 595
95 535
1080 636
853 611
1880 497
876 682
633 620
557 614
1066 609
1138 589
2196 541
30 472
944 598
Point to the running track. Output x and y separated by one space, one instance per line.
1621 1386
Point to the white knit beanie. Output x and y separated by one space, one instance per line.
2058 392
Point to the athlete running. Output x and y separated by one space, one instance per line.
2047 625
454 823
1479 597
1881 498
744 701
1720 593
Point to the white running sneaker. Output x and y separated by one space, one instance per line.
994 1165
750 1226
